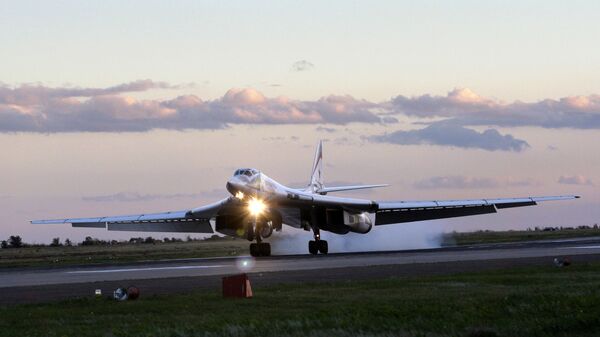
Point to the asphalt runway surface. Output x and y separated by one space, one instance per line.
25 285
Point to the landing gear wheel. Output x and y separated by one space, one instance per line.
254 250
264 248
260 249
323 246
312 247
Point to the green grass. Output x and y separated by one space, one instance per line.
121 253
535 301
469 238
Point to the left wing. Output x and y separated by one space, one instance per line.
390 212
195 220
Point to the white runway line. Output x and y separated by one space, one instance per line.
141 269
582 247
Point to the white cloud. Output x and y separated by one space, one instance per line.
447 134
302 65
577 179
42 109
465 107
464 182
37 108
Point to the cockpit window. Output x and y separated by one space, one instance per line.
246 172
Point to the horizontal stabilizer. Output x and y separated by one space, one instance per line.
326 190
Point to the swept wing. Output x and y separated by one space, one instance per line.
195 220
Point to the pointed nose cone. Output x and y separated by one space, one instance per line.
234 185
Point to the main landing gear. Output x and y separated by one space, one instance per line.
259 248
317 245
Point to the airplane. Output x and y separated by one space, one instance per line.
259 205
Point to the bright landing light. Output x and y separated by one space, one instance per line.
256 206
240 195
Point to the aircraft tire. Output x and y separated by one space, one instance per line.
313 247
323 246
254 251
264 249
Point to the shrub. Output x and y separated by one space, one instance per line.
15 241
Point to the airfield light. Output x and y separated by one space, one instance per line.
256 206
240 195
245 264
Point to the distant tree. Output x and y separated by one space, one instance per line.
55 242
149 240
166 239
136 240
68 243
188 238
15 241
595 226
3 244
88 241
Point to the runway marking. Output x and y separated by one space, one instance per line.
141 269
582 247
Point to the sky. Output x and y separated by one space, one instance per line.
114 107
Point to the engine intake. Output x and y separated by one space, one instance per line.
237 223
342 222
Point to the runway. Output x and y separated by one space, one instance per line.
39 284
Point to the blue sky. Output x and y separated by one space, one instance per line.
525 50
135 106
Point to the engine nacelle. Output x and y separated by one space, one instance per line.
358 223
342 222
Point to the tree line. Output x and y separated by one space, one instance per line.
15 241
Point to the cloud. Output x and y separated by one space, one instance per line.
577 179
465 107
42 109
37 108
325 129
29 95
463 182
302 65
447 134
136 197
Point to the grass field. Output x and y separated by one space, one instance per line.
535 301
48 256
469 238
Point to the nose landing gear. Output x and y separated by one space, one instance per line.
259 248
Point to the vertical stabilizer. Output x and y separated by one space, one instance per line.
316 177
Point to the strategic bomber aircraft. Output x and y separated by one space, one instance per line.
258 205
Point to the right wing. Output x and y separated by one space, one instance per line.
195 220
391 212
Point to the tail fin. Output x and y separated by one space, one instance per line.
316 178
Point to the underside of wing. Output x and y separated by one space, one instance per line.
390 212
195 220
